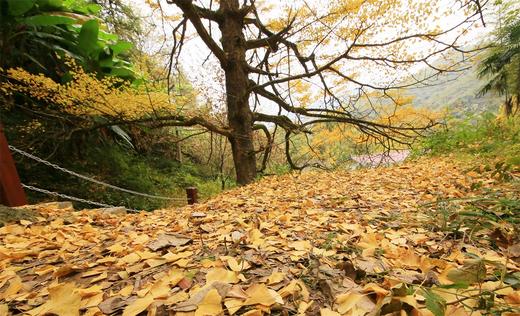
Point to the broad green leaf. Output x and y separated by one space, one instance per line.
122 72
88 37
50 4
83 8
434 303
107 36
120 47
46 20
19 7
106 62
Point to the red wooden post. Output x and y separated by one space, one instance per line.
11 191
191 193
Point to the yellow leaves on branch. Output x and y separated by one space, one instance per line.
85 94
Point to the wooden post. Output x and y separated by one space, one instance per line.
11 191
191 193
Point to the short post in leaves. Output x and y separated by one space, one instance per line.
192 193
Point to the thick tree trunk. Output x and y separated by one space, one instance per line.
240 117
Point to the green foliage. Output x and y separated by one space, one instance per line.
469 216
501 66
483 136
152 174
434 303
37 34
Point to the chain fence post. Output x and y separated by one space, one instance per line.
11 191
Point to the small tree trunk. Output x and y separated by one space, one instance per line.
240 117
508 106
517 87
178 149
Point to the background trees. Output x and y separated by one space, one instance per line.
317 64
501 66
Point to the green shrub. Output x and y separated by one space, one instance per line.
116 165
485 136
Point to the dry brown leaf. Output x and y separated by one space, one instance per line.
168 240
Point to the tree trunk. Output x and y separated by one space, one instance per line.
240 117
508 106
178 149
517 87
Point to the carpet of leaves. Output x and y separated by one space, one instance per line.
342 243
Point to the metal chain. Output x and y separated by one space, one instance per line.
68 197
50 164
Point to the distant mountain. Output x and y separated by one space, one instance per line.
458 92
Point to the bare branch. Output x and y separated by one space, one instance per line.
192 13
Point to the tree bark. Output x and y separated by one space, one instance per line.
239 115
508 106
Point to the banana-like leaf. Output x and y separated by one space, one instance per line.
88 37
47 20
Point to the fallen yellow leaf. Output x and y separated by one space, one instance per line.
210 305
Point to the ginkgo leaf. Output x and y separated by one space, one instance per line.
328 312
127 290
253 312
91 301
295 288
221 275
15 285
233 305
91 291
304 306
259 294
275 277
237 292
301 245
210 305
256 237
160 288
138 306
234 265
63 301
346 302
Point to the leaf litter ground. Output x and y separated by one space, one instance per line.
367 242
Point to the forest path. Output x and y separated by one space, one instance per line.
338 243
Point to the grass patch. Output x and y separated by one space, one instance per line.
486 136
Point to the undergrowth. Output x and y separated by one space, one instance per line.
151 174
491 138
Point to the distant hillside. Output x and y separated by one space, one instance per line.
458 92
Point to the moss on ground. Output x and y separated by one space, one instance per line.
11 215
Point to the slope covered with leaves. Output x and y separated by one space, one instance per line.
358 243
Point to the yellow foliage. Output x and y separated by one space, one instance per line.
85 94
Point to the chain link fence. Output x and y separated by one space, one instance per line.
86 178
